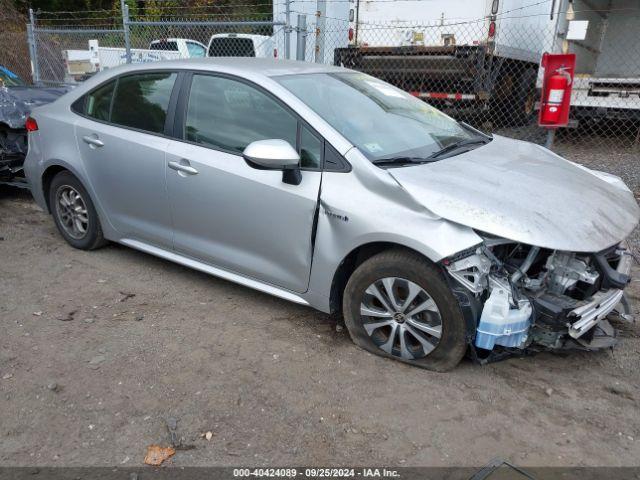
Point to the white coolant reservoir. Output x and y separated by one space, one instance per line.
502 325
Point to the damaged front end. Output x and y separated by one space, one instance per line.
520 298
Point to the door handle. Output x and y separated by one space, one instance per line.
96 142
183 168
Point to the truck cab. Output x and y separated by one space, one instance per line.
185 47
241 45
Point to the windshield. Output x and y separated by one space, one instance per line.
378 118
10 79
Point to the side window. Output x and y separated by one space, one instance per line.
229 115
195 50
98 102
78 105
310 149
141 101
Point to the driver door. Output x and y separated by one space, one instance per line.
227 213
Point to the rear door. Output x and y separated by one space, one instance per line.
122 143
227 213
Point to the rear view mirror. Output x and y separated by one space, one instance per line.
275 155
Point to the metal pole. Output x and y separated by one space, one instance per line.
301 37
321 20
551 135
287 29
125 26
35 67
207 23
31 50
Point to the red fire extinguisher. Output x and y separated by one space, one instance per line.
558 84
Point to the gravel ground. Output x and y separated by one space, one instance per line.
99 348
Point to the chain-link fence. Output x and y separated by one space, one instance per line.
14 50
68 50
481 67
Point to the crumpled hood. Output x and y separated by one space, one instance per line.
523 192
17 102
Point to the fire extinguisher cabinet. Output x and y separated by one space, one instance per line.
557 79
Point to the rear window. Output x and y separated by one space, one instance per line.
166 46
231 47
141 101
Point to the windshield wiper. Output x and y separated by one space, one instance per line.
400 160
462 143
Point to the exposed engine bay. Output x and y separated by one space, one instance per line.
521 297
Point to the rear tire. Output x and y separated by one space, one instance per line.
433 338
74 214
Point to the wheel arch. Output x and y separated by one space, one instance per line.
355 258
52 169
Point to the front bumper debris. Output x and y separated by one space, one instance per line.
569 297
586 316
590 314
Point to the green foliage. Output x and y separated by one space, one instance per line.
155 8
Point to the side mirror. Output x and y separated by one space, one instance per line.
275 155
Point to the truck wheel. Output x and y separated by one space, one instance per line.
397 305
74 214
524 98
514 99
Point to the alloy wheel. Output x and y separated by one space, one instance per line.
72 212
401 318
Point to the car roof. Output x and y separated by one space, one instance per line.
243 66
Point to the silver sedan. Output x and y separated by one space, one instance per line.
334 189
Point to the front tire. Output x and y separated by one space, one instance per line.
74 214
396 304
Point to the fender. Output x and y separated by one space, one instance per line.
38 191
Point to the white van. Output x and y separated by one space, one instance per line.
241 45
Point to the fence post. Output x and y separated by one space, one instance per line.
301 37
33 47
551 136
125 26
321 19
287 29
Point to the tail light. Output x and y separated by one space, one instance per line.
351 34
492 29
30 124
275 53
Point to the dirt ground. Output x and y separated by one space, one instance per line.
98 349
